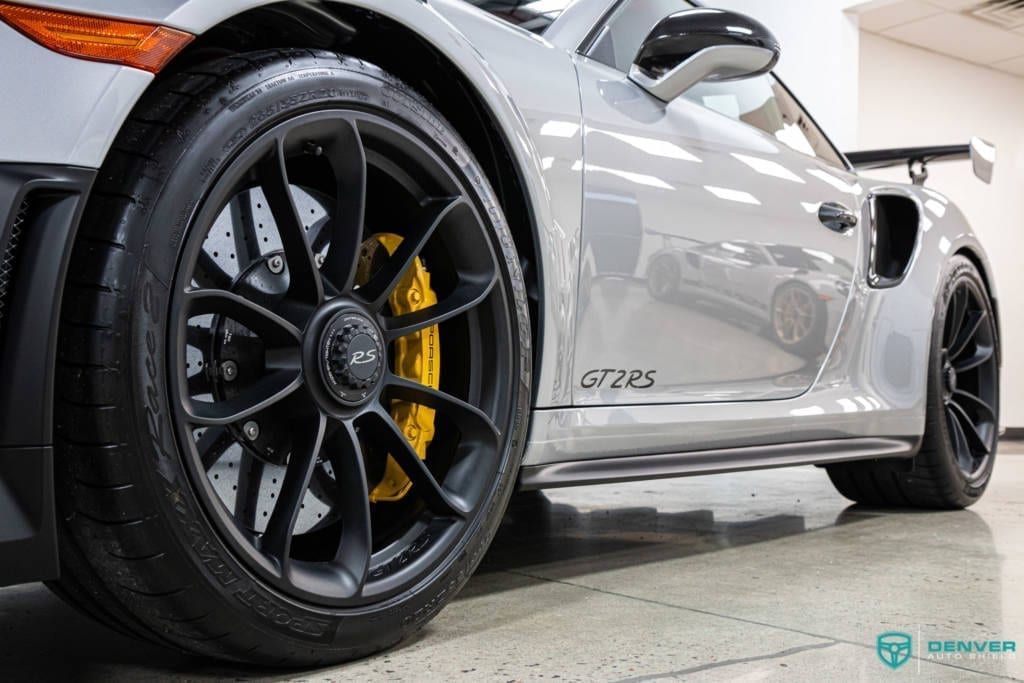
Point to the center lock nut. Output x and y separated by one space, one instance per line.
352 357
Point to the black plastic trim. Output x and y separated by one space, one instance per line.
28 346
893 237
28 531
640 467
884 158
29 342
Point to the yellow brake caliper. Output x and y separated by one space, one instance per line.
417 358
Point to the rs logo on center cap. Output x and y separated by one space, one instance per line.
351 357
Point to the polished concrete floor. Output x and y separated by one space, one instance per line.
754 576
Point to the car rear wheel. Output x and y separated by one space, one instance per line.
958 450
294 365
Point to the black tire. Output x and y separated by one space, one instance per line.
141 544
943 475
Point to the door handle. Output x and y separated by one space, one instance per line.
835 216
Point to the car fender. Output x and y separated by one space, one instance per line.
108 92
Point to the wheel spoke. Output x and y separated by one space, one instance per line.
262 394
980 356
353 555
962 450
247 495
467 295
199 384
961 397
307 440
212 445
208 273
971 432
439 500
304 276
955 315
384 281
472 422
345 228
243 230
972 322
274 330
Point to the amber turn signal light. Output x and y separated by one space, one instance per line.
143 46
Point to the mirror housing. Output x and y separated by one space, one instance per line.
702 44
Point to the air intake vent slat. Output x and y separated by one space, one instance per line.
9 260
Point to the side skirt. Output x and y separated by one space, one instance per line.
639 467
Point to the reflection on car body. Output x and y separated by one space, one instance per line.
801 307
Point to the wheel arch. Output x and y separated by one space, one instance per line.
420 63
976 255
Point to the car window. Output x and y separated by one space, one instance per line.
762 102
619 39
532 15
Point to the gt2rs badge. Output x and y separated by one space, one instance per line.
610 378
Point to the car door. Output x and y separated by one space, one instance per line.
677 197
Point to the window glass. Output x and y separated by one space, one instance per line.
620 39
761 102
533 15
765 104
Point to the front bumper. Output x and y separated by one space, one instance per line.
40 207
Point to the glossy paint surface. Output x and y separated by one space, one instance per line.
68 110
703 258
619 184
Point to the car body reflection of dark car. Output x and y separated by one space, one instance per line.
801 309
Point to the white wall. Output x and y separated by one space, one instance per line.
819 57
868 91
909 97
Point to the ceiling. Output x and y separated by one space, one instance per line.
987 32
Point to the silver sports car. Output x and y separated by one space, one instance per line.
295 295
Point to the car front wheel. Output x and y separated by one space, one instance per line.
294 365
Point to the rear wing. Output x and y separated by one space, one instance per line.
981 153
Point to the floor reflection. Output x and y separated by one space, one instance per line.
727 565
570 541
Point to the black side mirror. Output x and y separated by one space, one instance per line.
697 45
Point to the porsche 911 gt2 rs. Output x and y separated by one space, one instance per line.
295 295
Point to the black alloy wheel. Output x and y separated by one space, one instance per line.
310 351
298 351
953 466
969 376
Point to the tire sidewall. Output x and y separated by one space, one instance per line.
969 489
207 141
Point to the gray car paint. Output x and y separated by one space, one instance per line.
872 383
681 176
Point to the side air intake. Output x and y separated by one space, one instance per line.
895 224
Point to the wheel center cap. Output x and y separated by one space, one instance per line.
351 357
